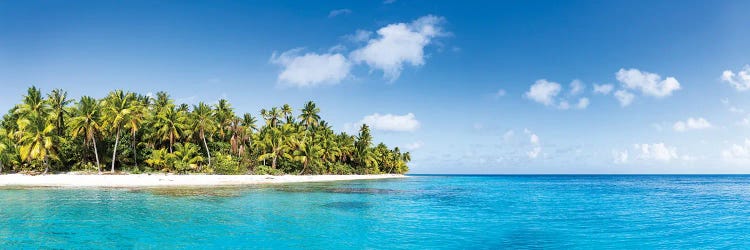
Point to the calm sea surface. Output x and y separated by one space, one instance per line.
423 212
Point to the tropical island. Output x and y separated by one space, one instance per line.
130 133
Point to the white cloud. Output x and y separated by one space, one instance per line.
399 44
564 105
338 12
657 151
414 145
620 157
624 97
648 83
390 122
311 69
359 36
576 87
508 135
740 80
691 124
737 153
534 140
500 93
543 91
603 89
582 103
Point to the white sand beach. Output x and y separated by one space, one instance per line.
169 180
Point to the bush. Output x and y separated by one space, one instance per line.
338 168
262 169
226 164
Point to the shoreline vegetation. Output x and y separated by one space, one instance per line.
75 180
131 134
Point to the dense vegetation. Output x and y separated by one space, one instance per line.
138 133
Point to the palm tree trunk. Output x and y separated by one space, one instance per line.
96 153
46 165
273 162
1 167
207 151
135 153
304 167
114 152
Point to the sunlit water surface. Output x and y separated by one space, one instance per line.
422 212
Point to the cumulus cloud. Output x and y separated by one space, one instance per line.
536 148
338 12
414 145
603 89
390 122
740 80
582 103
311 69
543 91
691 124
737 153
647 83
620 157
576 87
359 36
624 97
399 44
656 151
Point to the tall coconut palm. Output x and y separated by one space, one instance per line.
286 111
33 104
116 109
274 115
224 113
58 100
310 115
170 125
37 140
85 122
203 123
134 121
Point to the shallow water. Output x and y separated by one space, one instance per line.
423 212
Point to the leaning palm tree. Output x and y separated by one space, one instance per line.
86 122
203 122
116 109
307 153
37 140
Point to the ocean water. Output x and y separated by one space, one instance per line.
422 212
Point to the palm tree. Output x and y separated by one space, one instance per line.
58 100
7 152
32 104
274 115
138 113
307 153
286 111
203 120
275 142
170 125
116 109
187 156
224 115
310 116
37 140
85 122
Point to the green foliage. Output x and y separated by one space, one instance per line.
133 132
266 170
226 164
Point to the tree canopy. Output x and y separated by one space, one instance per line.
141 133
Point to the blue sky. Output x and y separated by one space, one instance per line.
468 87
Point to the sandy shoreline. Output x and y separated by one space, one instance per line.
163 180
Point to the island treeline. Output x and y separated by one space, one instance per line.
139 133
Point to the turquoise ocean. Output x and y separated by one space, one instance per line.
421 212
